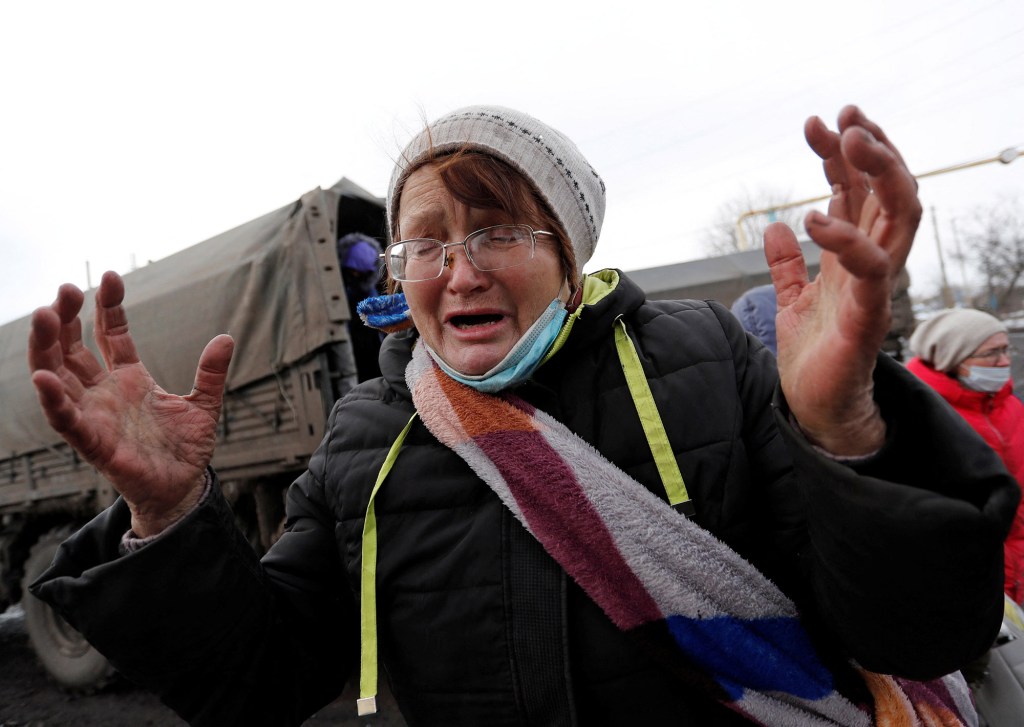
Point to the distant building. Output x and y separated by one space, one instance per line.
722 278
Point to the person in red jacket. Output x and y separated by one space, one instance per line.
964 355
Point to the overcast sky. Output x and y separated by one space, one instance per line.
130 130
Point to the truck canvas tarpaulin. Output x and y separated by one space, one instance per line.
273 283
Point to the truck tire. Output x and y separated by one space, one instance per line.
70 660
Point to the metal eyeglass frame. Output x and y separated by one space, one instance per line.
445 258
996 354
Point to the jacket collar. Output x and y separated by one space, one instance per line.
607 294
395 354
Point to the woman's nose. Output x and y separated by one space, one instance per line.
461 270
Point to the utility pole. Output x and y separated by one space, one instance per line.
960 259
947 294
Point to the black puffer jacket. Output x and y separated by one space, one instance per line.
897 565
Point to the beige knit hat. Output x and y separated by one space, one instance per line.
552 163
946 339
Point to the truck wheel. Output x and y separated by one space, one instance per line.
63 652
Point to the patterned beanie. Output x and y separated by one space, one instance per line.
549 160
947 338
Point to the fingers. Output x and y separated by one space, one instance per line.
863 308
871 184
852 116
785 263
55 340
891 181
856 252
112 336
82 365
63 415
212 373
849 186
898 213
59 410
55 352
824 142
43 338
69 302
45 332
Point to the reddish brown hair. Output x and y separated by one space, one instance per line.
484 182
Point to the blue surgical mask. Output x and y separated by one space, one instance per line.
524 358
986 378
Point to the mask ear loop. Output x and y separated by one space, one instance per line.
575 298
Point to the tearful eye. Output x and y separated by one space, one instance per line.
504 236
422 249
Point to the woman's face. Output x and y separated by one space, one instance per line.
993 351
472 319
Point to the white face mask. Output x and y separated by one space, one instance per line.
986 378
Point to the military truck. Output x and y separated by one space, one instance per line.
273 283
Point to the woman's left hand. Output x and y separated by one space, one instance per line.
831 330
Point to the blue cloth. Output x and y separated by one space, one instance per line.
363 256
756 311
388 313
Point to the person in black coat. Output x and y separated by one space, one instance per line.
359 257
583 509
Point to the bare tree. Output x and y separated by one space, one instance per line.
723 236
994 242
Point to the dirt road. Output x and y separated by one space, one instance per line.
29 699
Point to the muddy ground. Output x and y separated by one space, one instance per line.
29 699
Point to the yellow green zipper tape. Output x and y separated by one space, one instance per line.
650 418
367 702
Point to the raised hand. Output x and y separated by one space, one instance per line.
831 330
151 445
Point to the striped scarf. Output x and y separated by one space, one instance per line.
702 610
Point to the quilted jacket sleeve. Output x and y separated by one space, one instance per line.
905 550
227 639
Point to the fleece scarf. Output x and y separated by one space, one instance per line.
697 605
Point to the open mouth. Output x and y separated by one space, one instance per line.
469 321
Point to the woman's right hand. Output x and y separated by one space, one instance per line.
152 446
830 330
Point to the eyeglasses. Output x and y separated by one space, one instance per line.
994 354
492 248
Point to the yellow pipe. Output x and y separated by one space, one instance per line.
1004 157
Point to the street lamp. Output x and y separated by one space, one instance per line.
1009 154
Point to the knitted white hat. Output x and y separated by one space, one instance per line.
947 338
548 159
